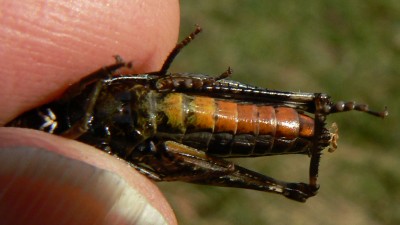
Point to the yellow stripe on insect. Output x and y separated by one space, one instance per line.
201 113
173 108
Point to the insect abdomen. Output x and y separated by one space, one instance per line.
230 129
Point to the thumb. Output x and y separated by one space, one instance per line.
45 179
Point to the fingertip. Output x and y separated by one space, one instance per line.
52 179
48 45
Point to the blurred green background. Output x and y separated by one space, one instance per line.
348 49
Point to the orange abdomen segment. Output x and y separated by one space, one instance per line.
279 122
287 123
249 130
247 119
225 117
267 120
306 126
229 128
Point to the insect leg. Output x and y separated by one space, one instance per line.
179 162
321 139
172 161
97 79
146 171
101 74
244 178
81 126
227 73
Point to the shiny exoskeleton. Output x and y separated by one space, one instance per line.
180 126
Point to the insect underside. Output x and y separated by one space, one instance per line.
182 126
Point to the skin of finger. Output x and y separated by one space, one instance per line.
14 137
47 45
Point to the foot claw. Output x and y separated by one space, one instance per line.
299 191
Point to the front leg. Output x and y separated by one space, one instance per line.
96 81
100 74
173 161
